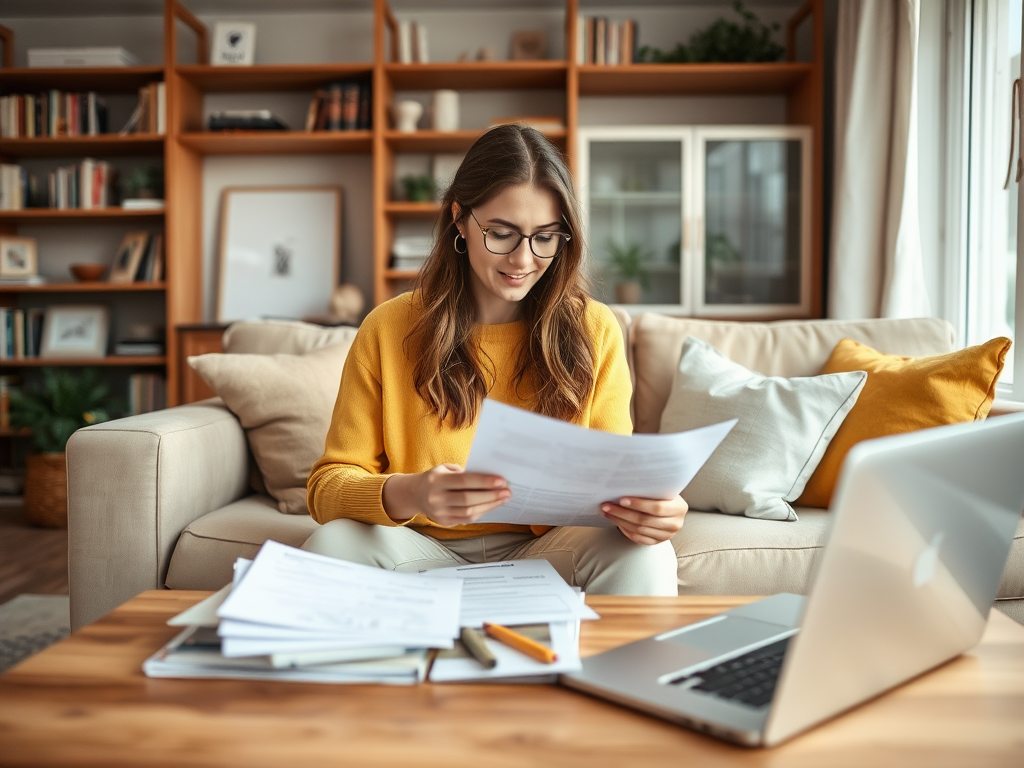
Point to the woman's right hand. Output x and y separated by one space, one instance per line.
447 494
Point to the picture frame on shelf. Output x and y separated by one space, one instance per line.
75 330
128 257
18 256
280 251
529 45
234 44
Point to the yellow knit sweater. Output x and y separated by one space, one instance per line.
381 426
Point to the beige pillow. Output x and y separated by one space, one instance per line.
285 403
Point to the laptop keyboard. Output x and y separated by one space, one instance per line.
748 679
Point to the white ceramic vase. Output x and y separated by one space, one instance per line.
407 115
445 110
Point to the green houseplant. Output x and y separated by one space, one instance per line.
64 403
627 261
723 41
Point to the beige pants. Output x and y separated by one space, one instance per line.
599 560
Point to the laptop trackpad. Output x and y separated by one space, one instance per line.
724 634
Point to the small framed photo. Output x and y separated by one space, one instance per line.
234 44
280 251
75 331
529 45
128 257
17 256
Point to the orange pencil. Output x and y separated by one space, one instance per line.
531 648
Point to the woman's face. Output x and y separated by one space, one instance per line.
499 282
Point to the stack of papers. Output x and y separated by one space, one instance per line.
294 615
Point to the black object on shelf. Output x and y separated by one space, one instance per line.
246 120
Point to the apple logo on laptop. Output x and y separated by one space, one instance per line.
928 561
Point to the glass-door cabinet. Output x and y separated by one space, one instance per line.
710 221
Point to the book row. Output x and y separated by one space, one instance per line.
52 113
341 106
21 332
150 113
600 40
85 185
146 392
140 258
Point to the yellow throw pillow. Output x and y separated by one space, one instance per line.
904 394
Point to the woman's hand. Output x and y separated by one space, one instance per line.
647 521
447 494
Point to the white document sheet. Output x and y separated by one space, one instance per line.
288 587
559 473
515 592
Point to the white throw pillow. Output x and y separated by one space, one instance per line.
784 427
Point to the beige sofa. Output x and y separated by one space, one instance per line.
166 499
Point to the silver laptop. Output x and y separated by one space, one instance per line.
922 527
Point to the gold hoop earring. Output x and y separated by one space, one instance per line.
464 244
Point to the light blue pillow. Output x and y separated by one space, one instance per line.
784 427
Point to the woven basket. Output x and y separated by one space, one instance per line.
46 490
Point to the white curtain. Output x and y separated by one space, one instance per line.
876 267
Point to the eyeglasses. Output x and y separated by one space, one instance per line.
502 241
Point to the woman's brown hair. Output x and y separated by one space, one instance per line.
558 358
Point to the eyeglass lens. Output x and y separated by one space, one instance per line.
501 241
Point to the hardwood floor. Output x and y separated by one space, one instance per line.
32 560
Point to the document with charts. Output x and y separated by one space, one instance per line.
559 473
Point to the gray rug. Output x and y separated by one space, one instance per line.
30 623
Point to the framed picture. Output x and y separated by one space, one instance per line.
234 43
128 257
17 256
75 331
279 253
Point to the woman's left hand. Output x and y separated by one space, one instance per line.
646 521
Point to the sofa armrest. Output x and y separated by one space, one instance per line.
134 484
1005 407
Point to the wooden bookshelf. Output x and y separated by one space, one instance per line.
477 75
108 145
276 142
278 77
148 361
693 79
186 146
100 79
409 210
99 286
77 215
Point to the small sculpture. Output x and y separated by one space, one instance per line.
345 307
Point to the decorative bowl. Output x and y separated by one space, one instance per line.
88 273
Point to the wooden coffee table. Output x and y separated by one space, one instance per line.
85 701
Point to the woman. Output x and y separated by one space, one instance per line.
499 311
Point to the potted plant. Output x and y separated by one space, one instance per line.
145 183
628 265
66 402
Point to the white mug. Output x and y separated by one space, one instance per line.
445 109
407 114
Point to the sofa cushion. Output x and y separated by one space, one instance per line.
784 427
727 555
905 394
287 337
786 348
208 547
284 402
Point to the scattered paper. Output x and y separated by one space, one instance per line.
356 605
515 592
560 473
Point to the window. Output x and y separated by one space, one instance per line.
969 57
